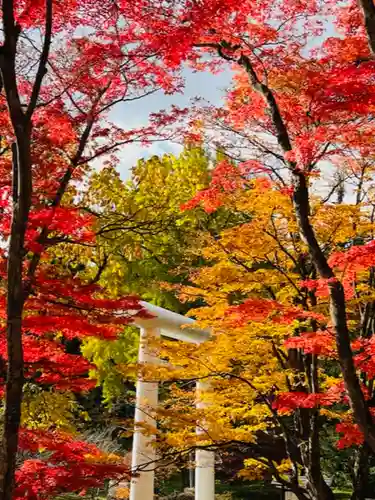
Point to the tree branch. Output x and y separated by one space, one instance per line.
42 69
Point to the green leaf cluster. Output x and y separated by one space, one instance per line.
142 233
107 356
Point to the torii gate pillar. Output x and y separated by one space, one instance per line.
204 460
143 452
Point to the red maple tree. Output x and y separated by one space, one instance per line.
64 65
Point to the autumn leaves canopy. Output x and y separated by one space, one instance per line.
282 265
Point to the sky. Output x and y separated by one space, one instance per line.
133 114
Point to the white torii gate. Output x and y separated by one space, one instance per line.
172 325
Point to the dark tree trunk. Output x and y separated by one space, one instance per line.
15 294
318 486
22 192
361 473
368 9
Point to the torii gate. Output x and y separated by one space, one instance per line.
167 324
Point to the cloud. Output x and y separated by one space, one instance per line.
134 114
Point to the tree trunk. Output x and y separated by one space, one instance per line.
361 473
318 489
15 293
15 304
22 192
368 9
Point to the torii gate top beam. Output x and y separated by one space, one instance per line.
171 324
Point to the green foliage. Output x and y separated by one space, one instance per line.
142 233
243 490
343 494
106 355
142 240
249 490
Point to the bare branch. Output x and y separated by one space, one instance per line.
42 69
